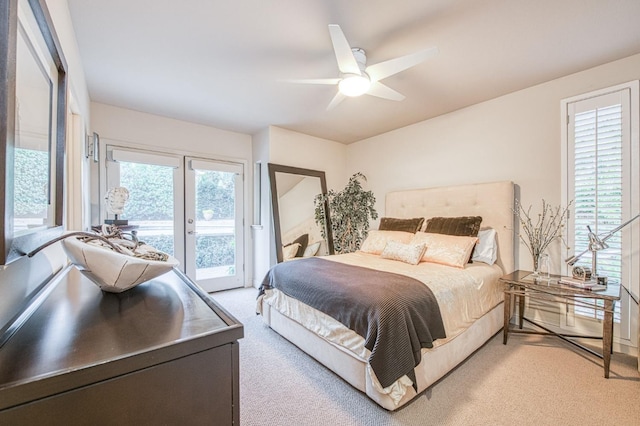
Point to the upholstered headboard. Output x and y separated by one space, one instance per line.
493 201
307 226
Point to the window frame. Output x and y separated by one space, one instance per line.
626 332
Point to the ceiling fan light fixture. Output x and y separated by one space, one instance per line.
356 78
354 85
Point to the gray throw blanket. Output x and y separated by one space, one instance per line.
395 314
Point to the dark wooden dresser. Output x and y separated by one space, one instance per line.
162 353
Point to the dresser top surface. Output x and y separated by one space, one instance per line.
77 326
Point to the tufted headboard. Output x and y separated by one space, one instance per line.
493 201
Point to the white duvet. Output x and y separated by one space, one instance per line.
464 295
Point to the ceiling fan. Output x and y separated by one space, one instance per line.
356 78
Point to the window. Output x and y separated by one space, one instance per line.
600 163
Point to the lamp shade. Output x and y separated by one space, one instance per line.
595 242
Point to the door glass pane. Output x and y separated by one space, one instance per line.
215 224
151 203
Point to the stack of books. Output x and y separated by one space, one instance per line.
585 285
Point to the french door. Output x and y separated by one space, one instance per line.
214 223
190 208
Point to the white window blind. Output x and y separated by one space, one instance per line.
141 157
597 148
220 166
598 183
600 177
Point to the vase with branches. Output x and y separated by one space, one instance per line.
350 211
537 233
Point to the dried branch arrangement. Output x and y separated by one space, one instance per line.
537 234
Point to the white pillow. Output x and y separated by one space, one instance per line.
407 253
451 250
312 249
487 248
377 240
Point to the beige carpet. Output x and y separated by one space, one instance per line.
533 380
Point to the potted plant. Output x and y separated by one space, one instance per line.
207 214
350 211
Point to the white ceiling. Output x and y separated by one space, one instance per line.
221 62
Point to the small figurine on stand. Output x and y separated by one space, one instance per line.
116 199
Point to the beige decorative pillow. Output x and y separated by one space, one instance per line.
445 249
302 242
407 253
377 240
290 251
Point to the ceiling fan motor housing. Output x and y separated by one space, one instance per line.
361 58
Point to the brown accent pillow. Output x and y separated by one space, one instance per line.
463 226
406 225
466 226
303 240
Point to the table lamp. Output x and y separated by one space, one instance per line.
597 243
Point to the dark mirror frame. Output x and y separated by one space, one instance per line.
273 169
13 248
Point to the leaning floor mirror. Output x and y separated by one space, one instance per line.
33 106
297 232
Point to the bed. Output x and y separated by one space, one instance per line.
469 297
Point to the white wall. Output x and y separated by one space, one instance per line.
138 128
295 149
263 243
59 12
515 137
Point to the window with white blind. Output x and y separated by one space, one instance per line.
600 163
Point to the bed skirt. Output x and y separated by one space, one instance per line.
435 362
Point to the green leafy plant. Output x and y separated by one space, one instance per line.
31 184
350 211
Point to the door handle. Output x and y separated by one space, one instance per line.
191 232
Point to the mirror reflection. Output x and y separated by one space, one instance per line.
32 209
297 234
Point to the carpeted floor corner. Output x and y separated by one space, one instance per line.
533 380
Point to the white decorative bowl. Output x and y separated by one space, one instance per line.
111 271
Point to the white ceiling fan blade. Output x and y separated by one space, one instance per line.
339 97
393 66
331 81
346 62
380 90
